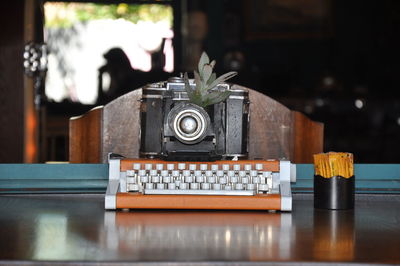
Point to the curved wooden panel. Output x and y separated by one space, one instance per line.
270 128
121 126
85 137
308 138
275 132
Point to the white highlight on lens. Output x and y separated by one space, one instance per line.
188 125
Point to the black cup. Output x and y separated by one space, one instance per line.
335 193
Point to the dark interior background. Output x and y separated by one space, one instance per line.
358 52
353 58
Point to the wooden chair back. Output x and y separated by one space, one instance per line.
275 132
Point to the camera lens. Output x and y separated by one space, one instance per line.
188 125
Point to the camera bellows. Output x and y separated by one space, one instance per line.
332 164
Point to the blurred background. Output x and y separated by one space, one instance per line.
336 61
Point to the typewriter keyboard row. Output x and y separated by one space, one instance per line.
201 179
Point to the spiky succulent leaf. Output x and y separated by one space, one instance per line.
211 79
197 99
200 88
204 59
203 94
205 75
193 94
212 64
215 97
222 78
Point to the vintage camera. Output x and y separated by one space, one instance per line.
172 128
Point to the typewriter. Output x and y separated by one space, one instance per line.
195 158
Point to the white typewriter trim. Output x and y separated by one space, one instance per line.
110 200
285 190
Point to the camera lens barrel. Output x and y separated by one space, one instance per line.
189 122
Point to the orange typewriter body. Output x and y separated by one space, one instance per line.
220 185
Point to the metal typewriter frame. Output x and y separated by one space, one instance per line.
117 196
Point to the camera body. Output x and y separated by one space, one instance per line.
174 129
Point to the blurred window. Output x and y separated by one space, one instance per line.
79 34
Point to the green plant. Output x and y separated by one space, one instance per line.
204 94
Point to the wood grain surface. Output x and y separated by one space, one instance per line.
307 138
85 136
270 127
121 126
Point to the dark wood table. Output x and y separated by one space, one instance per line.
64 229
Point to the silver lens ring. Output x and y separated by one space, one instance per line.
197 121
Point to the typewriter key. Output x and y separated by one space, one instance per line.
203 167
194 186
239 186
259 166
133 187
263 187
216 186
225 167
189 179
250 186
205 186
130 173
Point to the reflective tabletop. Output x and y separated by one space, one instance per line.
75 228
